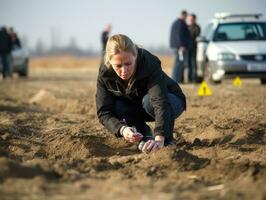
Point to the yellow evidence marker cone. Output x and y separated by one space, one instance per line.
237 82
204 90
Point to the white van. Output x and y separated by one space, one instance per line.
232 45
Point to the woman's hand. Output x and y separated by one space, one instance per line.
152 145
131 135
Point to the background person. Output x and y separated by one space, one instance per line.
14 38
194 30
105 36
133 89
5 52
180 41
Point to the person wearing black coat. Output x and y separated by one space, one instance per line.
180 41
105 36
194 30
5 52
131 90
14 38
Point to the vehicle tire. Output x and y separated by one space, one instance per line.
263 81
200 79
25 72
216 82
208 75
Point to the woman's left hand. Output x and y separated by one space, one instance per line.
152 145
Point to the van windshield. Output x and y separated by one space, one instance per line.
241 31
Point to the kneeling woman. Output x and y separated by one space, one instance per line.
132 89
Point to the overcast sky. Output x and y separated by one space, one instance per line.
147 22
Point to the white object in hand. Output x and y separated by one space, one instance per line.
181 55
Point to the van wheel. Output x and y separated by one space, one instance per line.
263 81
208 75
216 82
199 79
24 73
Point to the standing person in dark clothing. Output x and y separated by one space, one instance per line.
5 52
180 41
194 30
105 36
15 39
133 89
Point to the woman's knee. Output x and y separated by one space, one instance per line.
147 105
177 105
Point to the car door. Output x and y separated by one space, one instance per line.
202 45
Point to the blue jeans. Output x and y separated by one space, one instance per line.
6 63
137 114
179 66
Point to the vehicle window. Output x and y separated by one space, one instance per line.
240 31
261 30
207 33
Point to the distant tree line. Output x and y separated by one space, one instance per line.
72 48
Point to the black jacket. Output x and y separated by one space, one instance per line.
194 33
148 78
179 35
5 42
104 39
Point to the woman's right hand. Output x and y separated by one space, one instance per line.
130 134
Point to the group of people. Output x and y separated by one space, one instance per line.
184 32
8 41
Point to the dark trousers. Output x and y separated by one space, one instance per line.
192 64
181 61
137 114
5 59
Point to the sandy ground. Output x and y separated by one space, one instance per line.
52 146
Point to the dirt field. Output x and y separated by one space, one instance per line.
52 146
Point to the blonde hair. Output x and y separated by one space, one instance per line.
117 44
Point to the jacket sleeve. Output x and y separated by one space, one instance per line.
105 104
158 93
184 35
198 30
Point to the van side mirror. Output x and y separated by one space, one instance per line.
202 39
